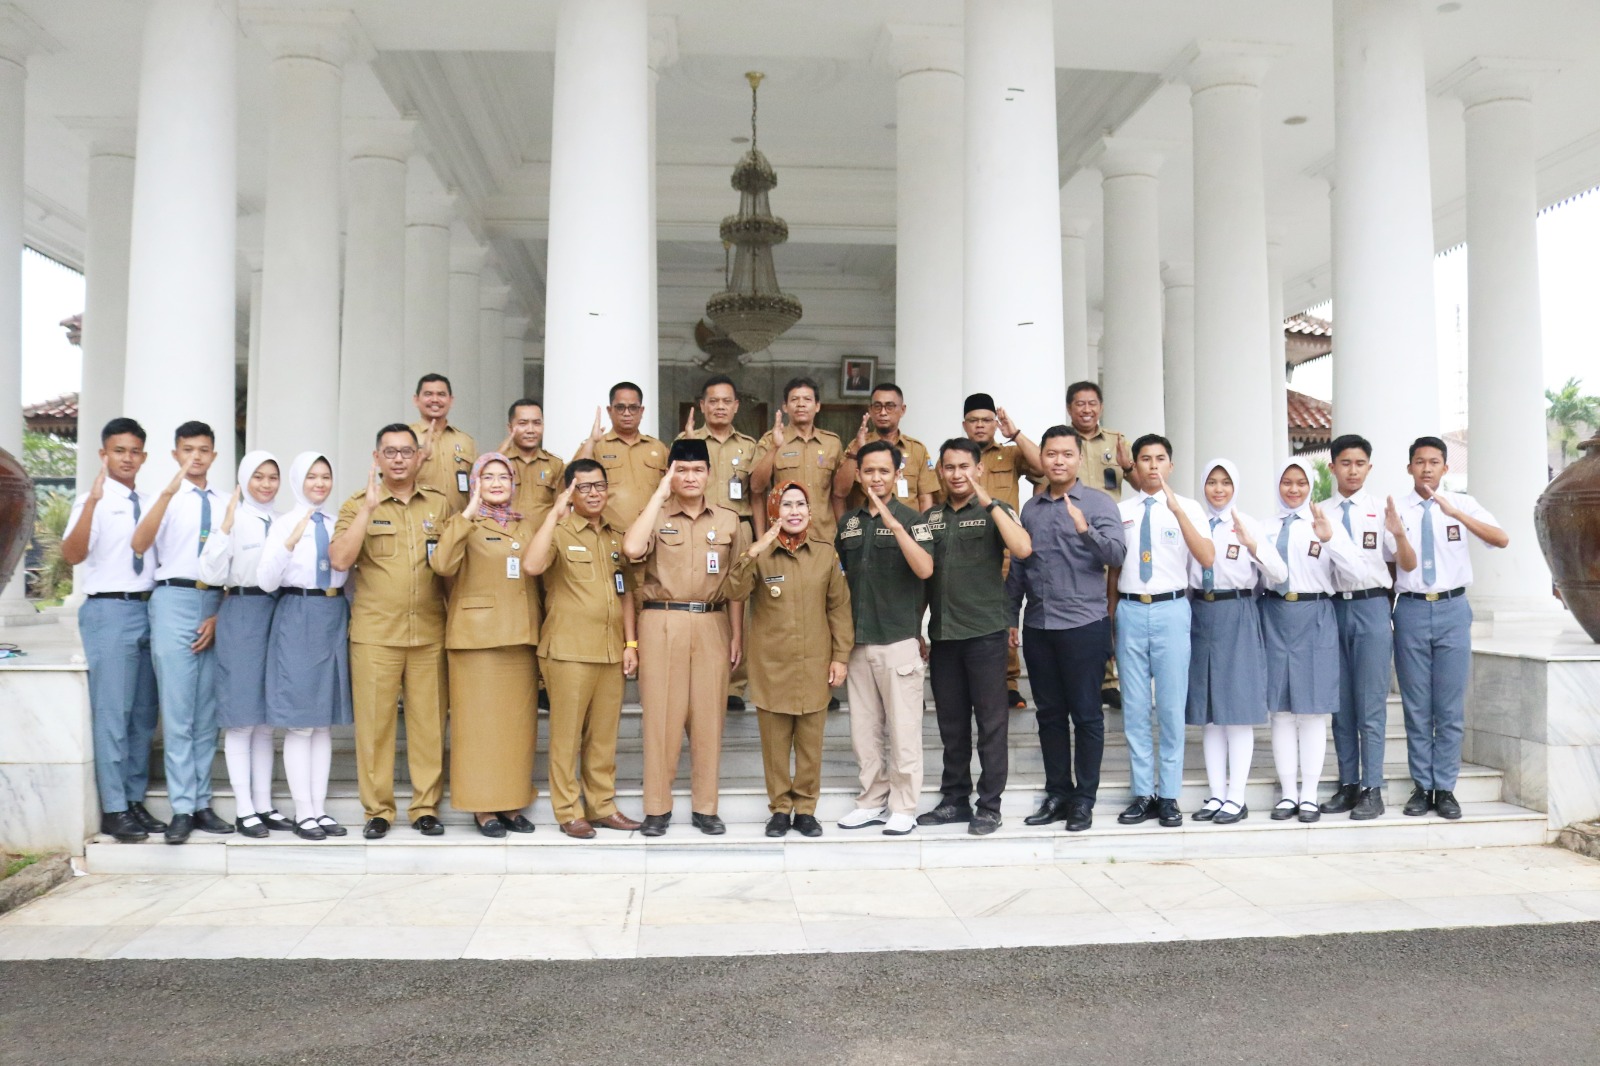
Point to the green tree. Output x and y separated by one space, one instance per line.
1324 484
53 581
1571 411
46 456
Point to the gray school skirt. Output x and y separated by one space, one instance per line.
308 662
243 623
1302 640
1227 664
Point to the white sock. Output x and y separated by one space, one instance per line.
261 768
1313 753
1286 753
1214 742
297 768
321 767
1241 749
236 750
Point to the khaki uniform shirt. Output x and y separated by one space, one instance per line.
1003 473
1099 469
633 471
583 607
448 468
399 599
491 605
688 557
812 462
538 484
731 461
917 476
799 623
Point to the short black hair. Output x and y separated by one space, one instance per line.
1427 442
611 397
888 386
581 466
118 426
961 444
1348 441
424 379
874 446
1148 439
801 382
193 429
394 427
526 401
1080 386
1061 431
718 379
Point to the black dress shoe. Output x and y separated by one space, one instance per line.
1080 816
1207 811
807 825
251 826
946 814
1014 700
735 703
654 825
331 826
206 820
1142 809
1310 812
147 821
277 822
1344 799
1444 801
376 828
179 828
429 826
308 829
983 822
1053 809
123 827
833 703
517 823
1285 809
491 828
778 824
1168 814
709 824
1111 697
1420 803
1370 807
1230 814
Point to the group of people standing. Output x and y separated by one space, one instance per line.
463 590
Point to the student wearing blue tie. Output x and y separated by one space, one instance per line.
1433 623
183 622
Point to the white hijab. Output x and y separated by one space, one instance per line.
1304 510
1232 471
248 466
297 484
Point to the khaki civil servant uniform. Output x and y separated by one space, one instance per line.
916 476
539 482
810 460
1099 469
731 462
449 465
633 471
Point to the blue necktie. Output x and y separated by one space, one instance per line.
1283 550
138 560
324 573
1429 572
205 519
1346 506
1146 560
1208 576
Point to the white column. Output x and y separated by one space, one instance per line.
427 301
1075 301
929 166
1012 278
1177 358
1233 392
598 265
13 83
371 379
1277 350
1385 372
252 391
663 53
1131 343
491 366
182 320
514 332
466 268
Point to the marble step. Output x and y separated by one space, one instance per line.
745 848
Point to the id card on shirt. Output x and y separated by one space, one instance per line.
735 488
901 489
713 562
514 567
463 484
622 587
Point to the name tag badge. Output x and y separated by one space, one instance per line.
1315 550
735 487
1233 551
432 544
622 586
1452 532
514 567
462 484
1369 540
713 562
901 489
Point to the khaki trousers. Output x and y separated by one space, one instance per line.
885 690
801 735
683 687
379 674
585 708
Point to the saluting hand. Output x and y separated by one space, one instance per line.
176 483
429 437
1172 497
1391 519
1079 520
98 489
861 434
1241 529
298 531
475 499
1124 456
688 423
768 539
507 444
664 489
1446 508
563 504
596 433
233 508
881 511
777 430
984 499
1007 427
1320 524
374 495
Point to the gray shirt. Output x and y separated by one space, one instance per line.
1064 580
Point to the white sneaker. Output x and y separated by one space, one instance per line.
862 817
899 825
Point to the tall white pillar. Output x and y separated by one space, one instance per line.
1131 343
1075 301
597 310
514 332
427 300
929 166
252 391
1277 349
1012 278
491 366
466 269
663 53
1232 372
13 83
1385 373
373 325
182 321
1177 359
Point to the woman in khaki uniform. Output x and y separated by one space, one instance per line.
801 634
491 628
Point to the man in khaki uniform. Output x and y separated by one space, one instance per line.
386 534
537 472
633 461
447 452
586 646
916 483
687 639
801 452
1107 462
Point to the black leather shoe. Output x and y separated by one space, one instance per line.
946 814
1208 811
251 826
1080 816
778 824
1444 801
1111 697
147 821
179 829
1344 799
1370 807
123 827
807 825
1142 809
1014 700
376 829
735 703
709 824
277 822
491 828
308 829
1230 814
429 826
206 820
331 826
1285 809
1168 813
1309 812
654 825
1053 809
1420 803
833 703
983 822
517 823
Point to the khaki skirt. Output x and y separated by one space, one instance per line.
493 727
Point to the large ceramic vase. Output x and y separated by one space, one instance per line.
16 514
1567 517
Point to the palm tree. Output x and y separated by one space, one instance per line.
1570 410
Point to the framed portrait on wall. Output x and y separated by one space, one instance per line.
856 375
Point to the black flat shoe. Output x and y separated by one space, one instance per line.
491 828
1420 803
735 703
946 814
1444 801
1230 813
331 826
251 826
122 827
1052 809
429 826
376 829
179 829
517 823
655 825
1285 809
1080 817
710 824
778 824
206 820
807 825
1343 799
1207 812
147 821
1142 809
1310 812
276 821
308 829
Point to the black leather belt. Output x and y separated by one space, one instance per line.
288 590
1222 594
1431 596
692 606
1159 597
247 590
183 583
119 595
1362 594
1299 597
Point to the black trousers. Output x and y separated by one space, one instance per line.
1065 667
969 681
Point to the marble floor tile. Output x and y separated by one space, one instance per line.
1364 917
717 899
1330 888
1457 880
890 895
1219 923
894 934
426 886
103 908
743 938
357 942
1279 868
554 942
275 899
1013 931
1521 909
1014 892
214 942
391 910
1585 900
567 899
65 941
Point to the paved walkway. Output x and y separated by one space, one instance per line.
581 916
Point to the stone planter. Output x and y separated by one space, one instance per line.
1567 518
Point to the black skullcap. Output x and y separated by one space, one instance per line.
978 401
689 450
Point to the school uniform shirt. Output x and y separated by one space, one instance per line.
1374 544
109 566
811 460
1451 559
448 466
491 603
1312 562
1064 580
281 568
231 559
192 516
731 460
585 579
1169 553
966 595
539 482
633 471
1235 567
915 477
399 600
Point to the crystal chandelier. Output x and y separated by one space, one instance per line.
752 310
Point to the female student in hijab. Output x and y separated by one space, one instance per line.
308 653
1301 635
490 635
1227 662
229 561
801 633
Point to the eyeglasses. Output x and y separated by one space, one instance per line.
589 488
627 408
495 479
398 453
878 408
980 421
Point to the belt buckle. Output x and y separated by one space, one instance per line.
1431 596
330 592
1347 595
697 607
1292 597
1210 597
201 586
1144 597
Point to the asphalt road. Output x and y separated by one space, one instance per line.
1522 994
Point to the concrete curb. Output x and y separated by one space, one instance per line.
34 881
1581 837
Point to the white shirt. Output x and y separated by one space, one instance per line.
1169 554
178 540
1374 544
109 565
1451 559
231 559
281 568
1312 562
1235 567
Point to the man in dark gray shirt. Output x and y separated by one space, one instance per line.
1076 533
